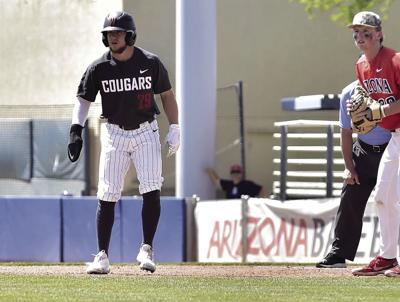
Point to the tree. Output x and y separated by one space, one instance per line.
344 10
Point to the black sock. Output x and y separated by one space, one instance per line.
151 210
104 223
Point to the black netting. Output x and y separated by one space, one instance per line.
50 160
15 149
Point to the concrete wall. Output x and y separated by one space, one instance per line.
46 46
271 45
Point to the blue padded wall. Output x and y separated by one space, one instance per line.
30 229
79 221
57 229
171 233
169 241
131 228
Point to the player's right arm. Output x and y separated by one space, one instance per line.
80 112
346 143
350 175
79 116
87 90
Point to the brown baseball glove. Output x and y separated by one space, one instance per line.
364 111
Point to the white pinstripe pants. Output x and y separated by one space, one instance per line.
387 197
121 147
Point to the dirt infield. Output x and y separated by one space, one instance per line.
184 270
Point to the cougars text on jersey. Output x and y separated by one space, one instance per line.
126 84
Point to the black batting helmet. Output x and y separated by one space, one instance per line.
120 21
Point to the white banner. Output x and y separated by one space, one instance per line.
290 231
219 231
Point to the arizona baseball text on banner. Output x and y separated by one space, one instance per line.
293 231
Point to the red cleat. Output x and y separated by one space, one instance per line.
377 266
393 272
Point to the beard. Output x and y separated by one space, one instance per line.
119 50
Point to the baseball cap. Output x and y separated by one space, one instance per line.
236 169
365 18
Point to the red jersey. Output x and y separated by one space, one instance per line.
381 78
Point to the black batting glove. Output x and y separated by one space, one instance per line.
75 142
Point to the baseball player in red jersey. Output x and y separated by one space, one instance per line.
378 71
127 78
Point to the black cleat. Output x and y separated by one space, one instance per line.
332 261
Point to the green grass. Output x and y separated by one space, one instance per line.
172 288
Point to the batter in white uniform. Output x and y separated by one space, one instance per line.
127 77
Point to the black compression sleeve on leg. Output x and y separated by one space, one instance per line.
104 223
151 210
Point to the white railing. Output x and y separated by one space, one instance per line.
307 159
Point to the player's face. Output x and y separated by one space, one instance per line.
116 41
366 37
236 177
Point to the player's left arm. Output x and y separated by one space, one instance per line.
392 108
170 106
171 110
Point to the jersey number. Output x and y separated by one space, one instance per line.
145 101
388 100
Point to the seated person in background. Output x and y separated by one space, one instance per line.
236 186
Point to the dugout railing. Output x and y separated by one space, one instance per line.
307 159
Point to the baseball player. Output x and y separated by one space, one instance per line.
236 186
127 78
378 71
361 160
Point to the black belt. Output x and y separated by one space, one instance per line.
130 127
372 148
